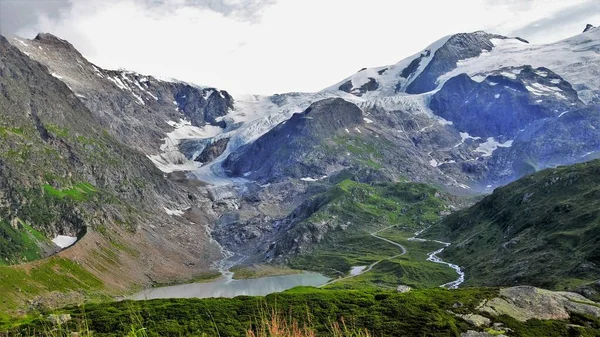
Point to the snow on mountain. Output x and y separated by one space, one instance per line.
252 117
573 58
576 59
390 79
186 119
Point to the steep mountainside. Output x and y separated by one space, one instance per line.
142 111
509 98
62 174
542 230
471 112
291 147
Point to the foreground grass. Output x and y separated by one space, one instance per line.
299 312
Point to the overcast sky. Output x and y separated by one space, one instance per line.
269 46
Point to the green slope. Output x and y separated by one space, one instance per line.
542 230
430 312
334 230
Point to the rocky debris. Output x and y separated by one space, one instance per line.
475 319
403 289
58 319
590 291
472 333
220 193
525 302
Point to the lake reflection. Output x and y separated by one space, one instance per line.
231 288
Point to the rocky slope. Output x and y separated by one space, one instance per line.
524 231
62 173
291 148
498 93
142 111
332 219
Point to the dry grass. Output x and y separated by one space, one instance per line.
276 325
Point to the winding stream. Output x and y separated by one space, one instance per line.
434 258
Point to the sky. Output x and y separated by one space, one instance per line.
276 46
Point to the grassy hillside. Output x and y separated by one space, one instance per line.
541 230
431 312
340 222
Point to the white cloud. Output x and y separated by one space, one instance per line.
256 46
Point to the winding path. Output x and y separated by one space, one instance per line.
430 257
374 234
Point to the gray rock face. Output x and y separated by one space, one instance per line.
502 106
62 173
458 47
588 27
132 107
202 106
283 151
524 303
371 85
536 110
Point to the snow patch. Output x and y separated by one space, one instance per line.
175 212
309 179
491 145
509 75
357 270
64 241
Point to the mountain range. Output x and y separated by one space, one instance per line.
162 181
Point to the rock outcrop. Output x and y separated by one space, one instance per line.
524 303
287 150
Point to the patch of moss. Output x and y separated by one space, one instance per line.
79 192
